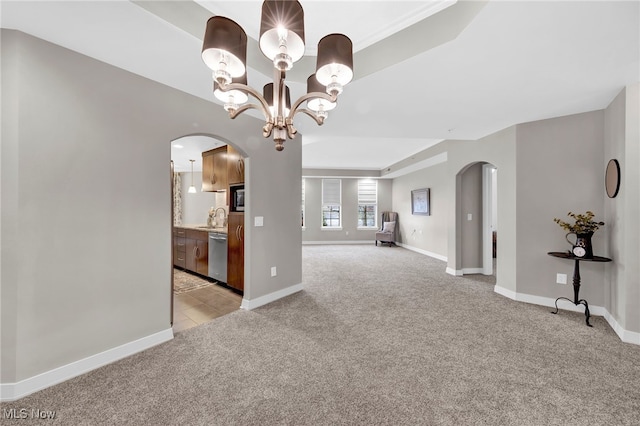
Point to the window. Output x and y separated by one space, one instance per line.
367 203
331 203
302 210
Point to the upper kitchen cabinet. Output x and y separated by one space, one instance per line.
235 166
214 170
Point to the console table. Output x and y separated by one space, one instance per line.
576 279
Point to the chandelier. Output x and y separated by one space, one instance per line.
224 50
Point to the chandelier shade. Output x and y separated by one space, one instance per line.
234 97
282 29
335 60
267 92
317 104
224 48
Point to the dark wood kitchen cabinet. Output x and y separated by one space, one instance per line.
214 170
191 250
235 166
197 251
179 247
235 251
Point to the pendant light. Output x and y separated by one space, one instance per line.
192 189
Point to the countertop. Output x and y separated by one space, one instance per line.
222 230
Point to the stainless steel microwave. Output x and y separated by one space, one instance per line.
238 200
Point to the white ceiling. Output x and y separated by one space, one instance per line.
467 71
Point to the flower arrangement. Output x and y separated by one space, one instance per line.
584 223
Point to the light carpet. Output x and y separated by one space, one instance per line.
379 336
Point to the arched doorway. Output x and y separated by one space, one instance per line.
200 289
476 218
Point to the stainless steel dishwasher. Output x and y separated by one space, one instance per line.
218 256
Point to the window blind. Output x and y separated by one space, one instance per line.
367 191
331 191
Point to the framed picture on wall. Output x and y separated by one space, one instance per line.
420 202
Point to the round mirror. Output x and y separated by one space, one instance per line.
612 178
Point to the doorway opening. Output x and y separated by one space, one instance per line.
477 218
200 212
490 218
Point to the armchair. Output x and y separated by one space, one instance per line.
387 233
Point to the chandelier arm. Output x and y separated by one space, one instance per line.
264 106
311 95
319 120
233 113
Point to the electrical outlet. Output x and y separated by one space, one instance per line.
347 232
274 272
561 278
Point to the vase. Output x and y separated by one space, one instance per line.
582 240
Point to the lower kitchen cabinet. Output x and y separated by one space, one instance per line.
191 250
235 251
179 247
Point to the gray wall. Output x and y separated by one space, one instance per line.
498 149
313 231
622 142
471 204
443 235
424 233
559 170
85 224
544 170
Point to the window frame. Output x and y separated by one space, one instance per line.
364 201
331 203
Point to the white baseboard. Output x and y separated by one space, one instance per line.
14 391
425 252
271 297
454 272
625 335
312 243
472 271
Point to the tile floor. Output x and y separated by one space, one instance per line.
196 307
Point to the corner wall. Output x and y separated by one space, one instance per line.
622 142
86 208
560 170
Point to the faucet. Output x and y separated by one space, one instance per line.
224 218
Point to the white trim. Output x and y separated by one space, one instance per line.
624 335
454 272
14 391
316 243
425 252
510 294
419 165
547 301
466 271
487 234
271 297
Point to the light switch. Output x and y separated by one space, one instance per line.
469 216
258 221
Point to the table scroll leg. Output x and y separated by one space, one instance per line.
557 303
587 314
